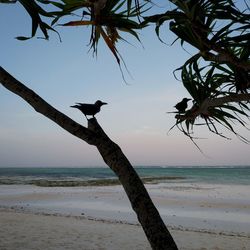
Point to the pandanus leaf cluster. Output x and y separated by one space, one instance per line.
217 76
108 19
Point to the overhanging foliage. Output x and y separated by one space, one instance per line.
219 31
217 77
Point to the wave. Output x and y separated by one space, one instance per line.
85 183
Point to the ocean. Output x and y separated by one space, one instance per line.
101 176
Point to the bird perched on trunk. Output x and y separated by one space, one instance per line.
89 109
181 106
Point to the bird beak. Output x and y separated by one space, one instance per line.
104 103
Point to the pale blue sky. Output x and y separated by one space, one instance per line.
135 117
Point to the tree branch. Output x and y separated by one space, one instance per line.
8 1
45 109
209 103
147 214
223 57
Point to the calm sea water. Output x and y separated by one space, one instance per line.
232 175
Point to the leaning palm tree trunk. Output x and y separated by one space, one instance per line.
147 214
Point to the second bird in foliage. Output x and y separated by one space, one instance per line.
89 109
181 106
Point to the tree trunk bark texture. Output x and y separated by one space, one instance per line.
147 214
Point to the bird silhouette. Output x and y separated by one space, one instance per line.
181 106
89 109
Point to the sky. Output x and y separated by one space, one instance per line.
135 118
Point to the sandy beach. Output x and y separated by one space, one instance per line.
199 216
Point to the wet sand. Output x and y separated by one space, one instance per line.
199 216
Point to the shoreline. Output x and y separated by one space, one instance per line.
21 210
